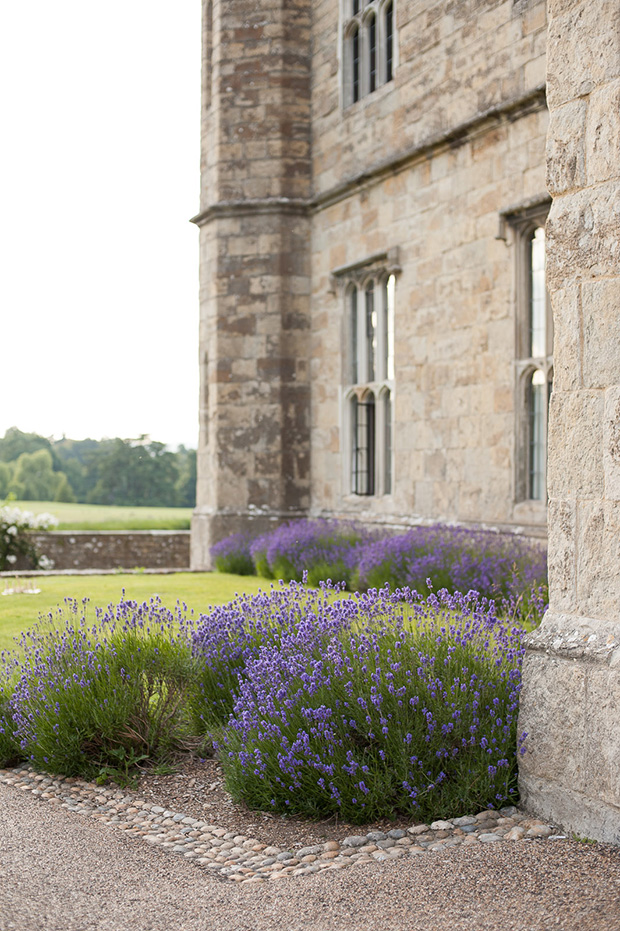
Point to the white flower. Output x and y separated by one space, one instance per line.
12 530
11 559
45 521
46 563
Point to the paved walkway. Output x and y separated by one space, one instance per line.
62 872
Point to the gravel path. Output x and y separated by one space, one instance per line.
60 871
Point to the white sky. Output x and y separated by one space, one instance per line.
99 175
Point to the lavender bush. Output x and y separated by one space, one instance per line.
325 550
232 636
88 697
366 705
233 555
510 570
413 712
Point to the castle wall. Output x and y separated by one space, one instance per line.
456 59
427 165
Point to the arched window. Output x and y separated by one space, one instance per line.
369 47
370 338
534 363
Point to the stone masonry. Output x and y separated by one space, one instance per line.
571 699
254 448
427 177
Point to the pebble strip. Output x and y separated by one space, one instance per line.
234 857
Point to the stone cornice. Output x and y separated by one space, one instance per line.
253 207
507 111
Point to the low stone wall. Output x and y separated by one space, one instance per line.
114 549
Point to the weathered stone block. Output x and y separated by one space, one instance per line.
598 556
575 426
602 137
566 168
552 712
601 327
576 38
562 518
582 236
567 338
602 749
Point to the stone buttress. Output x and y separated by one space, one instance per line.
254 452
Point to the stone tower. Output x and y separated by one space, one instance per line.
254 449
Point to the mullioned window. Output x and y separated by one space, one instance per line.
369 52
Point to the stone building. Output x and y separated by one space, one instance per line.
375 337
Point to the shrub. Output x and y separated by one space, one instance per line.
233 635
94 697
10 751
15 540
510 570
233 555
325 550
408 714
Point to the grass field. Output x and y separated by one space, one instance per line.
102 517
198 590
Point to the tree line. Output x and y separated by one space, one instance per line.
136 472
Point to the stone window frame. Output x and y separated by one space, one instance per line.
521 223
367 467
360 77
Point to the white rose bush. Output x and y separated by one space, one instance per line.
15 539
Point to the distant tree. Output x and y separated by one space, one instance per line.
186 482
34 478
6 473
64 491
110 471
135 472
78 460
14 443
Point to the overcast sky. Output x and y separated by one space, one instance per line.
99 175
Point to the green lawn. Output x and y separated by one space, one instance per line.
197 590
102 517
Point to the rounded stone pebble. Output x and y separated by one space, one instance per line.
309 851
238 858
